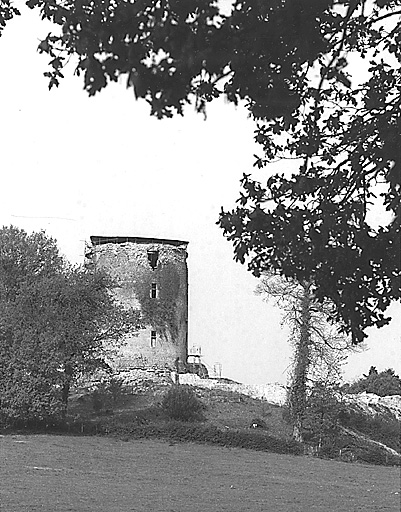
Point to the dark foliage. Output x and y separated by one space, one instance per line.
197 433
383 383
54 324
181 403
107 394
320 423
115 387
290 63
374 455
383 430
334 430
313 221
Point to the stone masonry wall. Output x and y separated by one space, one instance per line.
166 314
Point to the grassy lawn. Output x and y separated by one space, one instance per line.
96 474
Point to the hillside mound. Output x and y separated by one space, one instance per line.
233 414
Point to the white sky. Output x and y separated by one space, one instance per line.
78 166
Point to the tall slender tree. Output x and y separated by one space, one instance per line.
319 350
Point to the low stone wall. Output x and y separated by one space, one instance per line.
135 381
272 393
139 381
276 394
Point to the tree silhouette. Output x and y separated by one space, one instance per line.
290 63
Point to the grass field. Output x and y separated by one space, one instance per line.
97 474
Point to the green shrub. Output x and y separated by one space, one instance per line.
380 383
321 419
98 398
384 430
180 403
116 389
375 455
106 394
29 401
200 433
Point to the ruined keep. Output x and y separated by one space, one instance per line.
151 275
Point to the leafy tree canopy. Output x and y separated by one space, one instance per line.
25 258
383 383
290 62
56 322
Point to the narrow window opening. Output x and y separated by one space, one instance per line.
153 256
153 339
153 291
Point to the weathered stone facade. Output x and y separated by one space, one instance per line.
152 276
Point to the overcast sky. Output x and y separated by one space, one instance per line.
78 166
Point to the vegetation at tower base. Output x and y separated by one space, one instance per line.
53 324
180 403
290 63
321 427
136 409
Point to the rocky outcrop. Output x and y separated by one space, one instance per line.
272 393
373 405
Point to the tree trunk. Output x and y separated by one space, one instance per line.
65 391
298 389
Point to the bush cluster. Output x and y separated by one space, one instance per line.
380 429
52 319
180 403
384 383
200 433
107 393
321 419
326 419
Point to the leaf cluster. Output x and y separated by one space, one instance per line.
321 418
291 63
181 403
56 322
385 383
7 12
108 392
317 224
379 428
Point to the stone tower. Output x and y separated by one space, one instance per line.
152 276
